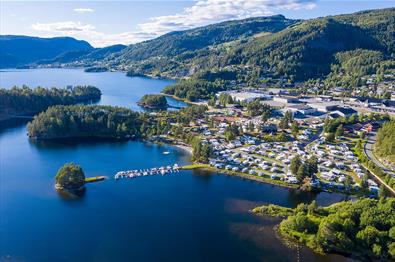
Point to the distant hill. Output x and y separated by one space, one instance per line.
21 50
87 56
178 42
298 50
276 46
307 50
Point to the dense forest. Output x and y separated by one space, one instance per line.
385 144
111 122
85 121
194 89
365 227
25 100
153 101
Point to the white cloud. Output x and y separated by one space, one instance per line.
83 10
202 12
88 32
63 27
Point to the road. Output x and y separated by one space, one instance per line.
368 149
312 139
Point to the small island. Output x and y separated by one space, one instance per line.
364 228
153 102
95 69
70 178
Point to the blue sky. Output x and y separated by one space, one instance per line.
104 23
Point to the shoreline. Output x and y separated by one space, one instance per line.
188 149
181 99
241 175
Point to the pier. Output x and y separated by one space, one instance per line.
147 172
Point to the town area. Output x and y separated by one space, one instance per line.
315 143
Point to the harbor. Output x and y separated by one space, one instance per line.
147 172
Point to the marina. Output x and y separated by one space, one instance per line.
147 172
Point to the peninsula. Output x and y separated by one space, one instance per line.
25 101
153 102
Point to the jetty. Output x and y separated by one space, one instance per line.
163 170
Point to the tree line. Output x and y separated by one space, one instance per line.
365 228
25 100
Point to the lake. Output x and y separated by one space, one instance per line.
117 89
186 216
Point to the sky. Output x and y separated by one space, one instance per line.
104 23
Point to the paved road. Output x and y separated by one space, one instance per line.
368 149
312 139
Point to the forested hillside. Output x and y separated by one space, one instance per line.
301 51
175 43
344 45
86 56
385 145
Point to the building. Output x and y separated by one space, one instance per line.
300 108
343 112
247 96
286 99
269 128
323 107
325 98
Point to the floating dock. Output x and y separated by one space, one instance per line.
147 172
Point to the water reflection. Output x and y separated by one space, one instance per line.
72 195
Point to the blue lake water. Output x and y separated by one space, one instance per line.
117 89
187 216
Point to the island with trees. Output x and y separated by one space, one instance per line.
153 101
70 177
23 100
364 228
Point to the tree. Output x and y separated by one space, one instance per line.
302 172
295 164
265 116
339 131
312 166
251 126
25 100
294 129
225 99
382 191
385 143
212 102
153 101
312 207
330 137
70 176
